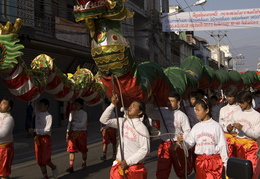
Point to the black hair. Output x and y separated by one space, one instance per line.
80 101
214 97
204 104
10 102
214 102
175 95
45 102
231 91
244 96
145 119
193 94
201 92
141 106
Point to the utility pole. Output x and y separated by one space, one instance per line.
218 37
165 6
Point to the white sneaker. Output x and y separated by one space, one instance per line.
55 172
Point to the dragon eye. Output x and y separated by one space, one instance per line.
114 37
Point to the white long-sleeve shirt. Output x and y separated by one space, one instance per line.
134 136
209 139
250 120
176 121
43 122
226 115
6 128
77 121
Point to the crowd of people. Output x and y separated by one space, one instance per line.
198 134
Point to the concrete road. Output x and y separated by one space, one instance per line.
96 168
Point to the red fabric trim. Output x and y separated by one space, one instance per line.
29 95
43 150
93 101
129 86
161 88
63 92
6 158
109 136
208 166
137 171
54 83
17 82
77 141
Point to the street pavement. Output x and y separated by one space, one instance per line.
24 147
25 167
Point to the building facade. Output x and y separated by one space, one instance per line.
49 27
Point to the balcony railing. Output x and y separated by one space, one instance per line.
44 24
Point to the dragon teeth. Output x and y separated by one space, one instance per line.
89 5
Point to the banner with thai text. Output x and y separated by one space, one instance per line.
211 20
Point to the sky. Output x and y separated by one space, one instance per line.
240 41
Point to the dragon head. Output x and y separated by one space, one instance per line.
110 49
89 10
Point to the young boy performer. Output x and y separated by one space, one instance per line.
77 134
42 140
173 122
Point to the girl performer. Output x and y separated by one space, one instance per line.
210 143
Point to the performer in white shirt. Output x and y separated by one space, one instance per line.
172 123
247 125
6 138
42 140
210 143
135 140
76 135
226 118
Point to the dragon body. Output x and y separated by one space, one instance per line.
28 84
118 71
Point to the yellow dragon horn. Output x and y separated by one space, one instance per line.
9 28
111 4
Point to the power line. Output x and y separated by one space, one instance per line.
232 45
